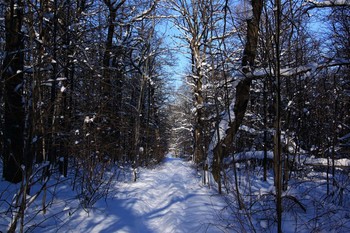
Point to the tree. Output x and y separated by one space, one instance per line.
12 79
203 29
277 136
181 120
194 24
234 116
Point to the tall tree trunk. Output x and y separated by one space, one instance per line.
113 7
265 130
52 121
199 100
111 92
198 132
242 88
106 80
277 137
67 104
139 108
12 78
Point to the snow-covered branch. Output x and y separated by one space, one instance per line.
145 13
183 128
312 67
328 3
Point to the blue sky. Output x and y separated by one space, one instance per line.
170 34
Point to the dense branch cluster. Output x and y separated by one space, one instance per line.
265 95
265 77
82 90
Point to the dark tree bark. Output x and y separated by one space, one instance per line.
52 121
277 136
242 88
12 78
110 83
113 7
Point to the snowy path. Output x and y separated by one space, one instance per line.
168 199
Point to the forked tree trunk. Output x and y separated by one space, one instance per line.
242 88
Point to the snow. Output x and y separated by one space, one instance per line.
88 119
182 128
171 198
324 162
329 3
306 205
63 89
168 198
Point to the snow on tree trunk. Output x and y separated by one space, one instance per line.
230 123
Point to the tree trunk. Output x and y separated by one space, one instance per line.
12 77
265 130
52 121
106 79
277 137
198 103
242 88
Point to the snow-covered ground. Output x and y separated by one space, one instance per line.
168 198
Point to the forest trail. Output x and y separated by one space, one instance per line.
167 199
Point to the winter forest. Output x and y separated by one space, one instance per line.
175 116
